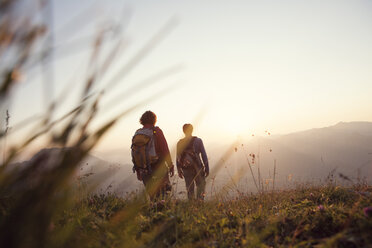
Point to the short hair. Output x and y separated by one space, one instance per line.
148 118
187 128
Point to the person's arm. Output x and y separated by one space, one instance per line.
178 160
163 148
178 155
204 156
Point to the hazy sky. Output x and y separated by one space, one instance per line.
247 66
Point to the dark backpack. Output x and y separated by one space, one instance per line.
143 150
189 158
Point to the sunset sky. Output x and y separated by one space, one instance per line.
246 66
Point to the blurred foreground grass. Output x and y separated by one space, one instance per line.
40 206
326 216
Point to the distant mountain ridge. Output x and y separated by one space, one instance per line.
358 127
301 156
346 146
361 127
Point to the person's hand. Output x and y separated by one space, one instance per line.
180 174
206 172
171 171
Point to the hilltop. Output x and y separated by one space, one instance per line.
97 174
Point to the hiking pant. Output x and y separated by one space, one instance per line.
157 182
193 177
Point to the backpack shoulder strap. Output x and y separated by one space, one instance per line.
154 135
155 129
145 131
190 145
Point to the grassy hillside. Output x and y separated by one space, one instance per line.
326 216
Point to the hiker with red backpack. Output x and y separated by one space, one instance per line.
151 157
189 164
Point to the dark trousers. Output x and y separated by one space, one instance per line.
157 182
192 177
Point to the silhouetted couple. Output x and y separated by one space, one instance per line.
153 164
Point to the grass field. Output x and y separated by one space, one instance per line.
326 216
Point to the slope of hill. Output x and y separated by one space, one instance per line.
309 155
345 145
97 174
314 153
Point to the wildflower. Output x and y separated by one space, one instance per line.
367 211
311 195
321 208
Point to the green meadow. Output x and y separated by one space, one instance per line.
328 216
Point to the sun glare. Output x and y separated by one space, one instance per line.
233 126
230 123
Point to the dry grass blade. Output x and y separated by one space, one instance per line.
232 183
41 117
82 18
66 49
48 59
124 113
150 81
150 45
22 124
99 71
111 58
221 161
44 130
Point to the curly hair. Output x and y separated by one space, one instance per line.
148 118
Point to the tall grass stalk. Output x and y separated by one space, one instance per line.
250 168
274 175
7 118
